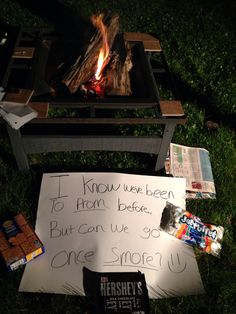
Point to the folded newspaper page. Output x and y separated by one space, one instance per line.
192 163
16 114
15 111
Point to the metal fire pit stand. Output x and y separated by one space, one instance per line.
24 144
27 142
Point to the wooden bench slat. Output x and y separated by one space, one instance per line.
171 108
150 42
41 108
19 95
23 52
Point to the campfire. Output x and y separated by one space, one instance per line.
103 68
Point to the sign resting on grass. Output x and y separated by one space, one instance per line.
109 222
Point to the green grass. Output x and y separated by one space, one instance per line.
199 42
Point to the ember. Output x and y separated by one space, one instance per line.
93 87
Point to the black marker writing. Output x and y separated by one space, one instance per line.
89 205
68 258
85 228
92 187
150 233
135 259
60 176
57 231
159 193
133 189
134 207
175 265
123 228
57 206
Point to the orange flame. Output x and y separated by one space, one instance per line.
97 21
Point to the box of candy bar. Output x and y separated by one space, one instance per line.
19 244
116 292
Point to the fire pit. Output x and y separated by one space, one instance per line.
31 59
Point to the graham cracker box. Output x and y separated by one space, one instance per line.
19 243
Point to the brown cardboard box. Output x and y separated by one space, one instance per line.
19 243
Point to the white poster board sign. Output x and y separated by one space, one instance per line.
109 222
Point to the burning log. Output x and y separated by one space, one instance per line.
103 68
115 78
100 44
117 72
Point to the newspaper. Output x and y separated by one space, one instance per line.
192 163
16 114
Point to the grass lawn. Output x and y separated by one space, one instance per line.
198 38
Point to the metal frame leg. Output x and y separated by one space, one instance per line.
18 149
165 144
